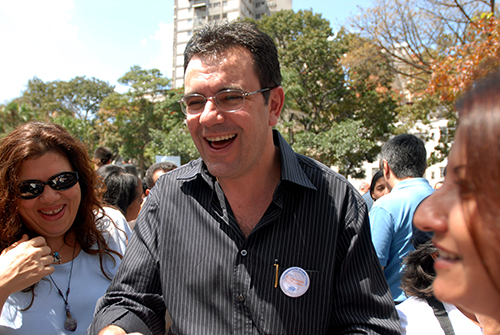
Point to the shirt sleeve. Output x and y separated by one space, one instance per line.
134 298
363 303
382 230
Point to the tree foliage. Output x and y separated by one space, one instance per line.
460 66
415 32
428 42
136 123
337 88
72 104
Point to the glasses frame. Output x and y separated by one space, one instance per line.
52 183
184 108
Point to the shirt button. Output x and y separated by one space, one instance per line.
241 298
243 252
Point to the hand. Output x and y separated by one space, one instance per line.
114 330
23 264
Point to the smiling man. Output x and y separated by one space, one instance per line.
251 238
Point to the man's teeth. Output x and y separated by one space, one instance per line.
221 138
52 212
447 255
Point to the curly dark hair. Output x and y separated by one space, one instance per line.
419 273
33 140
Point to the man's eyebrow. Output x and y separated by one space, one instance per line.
224 88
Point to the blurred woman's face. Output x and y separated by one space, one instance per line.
52 213
461 276
380 189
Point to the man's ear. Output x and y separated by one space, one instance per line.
387 170
275 105
147 192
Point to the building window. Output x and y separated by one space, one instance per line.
442 172
224 3
224 15
257 16
257 5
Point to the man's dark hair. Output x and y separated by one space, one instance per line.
406 156
164 166
104 155
215 39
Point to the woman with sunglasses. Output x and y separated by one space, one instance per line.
59 252
464 213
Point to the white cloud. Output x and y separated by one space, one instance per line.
37 38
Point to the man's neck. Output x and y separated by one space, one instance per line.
250 197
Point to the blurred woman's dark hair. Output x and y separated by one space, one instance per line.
121 187
419 273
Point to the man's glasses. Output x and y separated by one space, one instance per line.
31 189
228 101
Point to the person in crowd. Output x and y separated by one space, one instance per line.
464 214
378 186
251 237
155 171
102 156
58 251
123 190
130 168
403 162
422 313
364 189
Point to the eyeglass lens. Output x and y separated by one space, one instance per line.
31 189
226 101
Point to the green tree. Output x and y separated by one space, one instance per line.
72 104
132 123
331 97
14 114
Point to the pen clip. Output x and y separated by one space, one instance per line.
277 266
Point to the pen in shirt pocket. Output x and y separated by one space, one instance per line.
277 267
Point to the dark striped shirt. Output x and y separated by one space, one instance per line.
188 255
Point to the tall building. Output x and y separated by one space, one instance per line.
192 14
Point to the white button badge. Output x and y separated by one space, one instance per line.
294 282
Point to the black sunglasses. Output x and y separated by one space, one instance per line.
31 189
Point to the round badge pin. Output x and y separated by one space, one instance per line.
294 282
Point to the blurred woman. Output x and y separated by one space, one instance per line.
123 190
378 186
50 213
422 313
464 213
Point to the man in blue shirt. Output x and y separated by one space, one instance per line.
403 160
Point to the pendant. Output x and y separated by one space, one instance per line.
57 257
70 323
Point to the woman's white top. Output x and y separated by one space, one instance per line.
417 318
47 314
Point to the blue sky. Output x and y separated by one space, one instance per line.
62 39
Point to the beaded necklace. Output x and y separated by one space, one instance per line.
70 323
